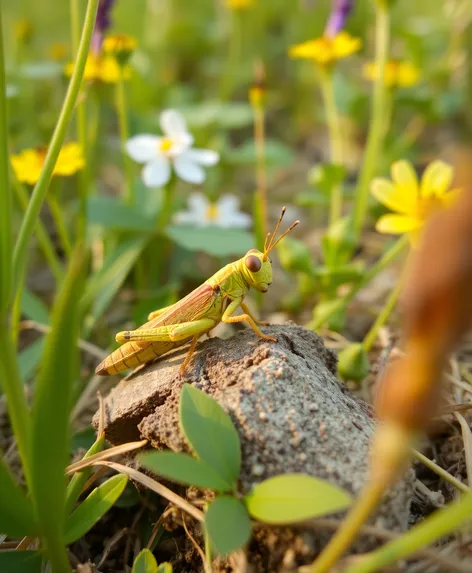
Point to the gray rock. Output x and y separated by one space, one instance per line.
291 413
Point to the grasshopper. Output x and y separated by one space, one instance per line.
187 320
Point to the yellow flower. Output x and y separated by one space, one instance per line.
120 46
23 30
238 4
58 51
397 73
413 201
327 50
101 68
29 162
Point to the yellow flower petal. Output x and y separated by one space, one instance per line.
393 196
405 176
449 198
398 224
344 45
407 74
436 179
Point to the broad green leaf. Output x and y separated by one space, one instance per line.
20 561
185 469
112 213
33 307
104 284
228 524
51 405
17 517
210 432
79 479
290 498
212 240
94 507
165 568
145 562
29 359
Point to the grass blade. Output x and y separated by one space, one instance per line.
94 507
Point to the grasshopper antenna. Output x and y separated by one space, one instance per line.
270 244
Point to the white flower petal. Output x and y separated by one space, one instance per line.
156 173
143 148
236 221
187 170
228 204
198 203
206 157
173 124
186 218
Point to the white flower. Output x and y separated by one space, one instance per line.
174 149
224 213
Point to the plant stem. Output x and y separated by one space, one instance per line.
44 241
122 111
386 259
377 124
442 473
39 192
6 238
434 527
234 54
261 176
335 138
382 318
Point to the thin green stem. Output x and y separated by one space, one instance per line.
6 238
39 192
382 318
336 139
43 238
386 260
261 176
434 527
377 123
57 215
122 111
442 473
234 55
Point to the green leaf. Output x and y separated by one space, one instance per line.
112 213
20 561
145 562
17 517
212 240
210 432
29 359
165 568
275 154
94 507
33 307
185 469
105 283
51 405
295 256
294 497
79 479
226 115
228 524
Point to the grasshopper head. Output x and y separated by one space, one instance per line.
257 266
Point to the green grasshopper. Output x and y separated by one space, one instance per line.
187 320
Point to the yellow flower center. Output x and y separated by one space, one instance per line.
212 212
165 144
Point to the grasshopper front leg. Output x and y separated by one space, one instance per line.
256 320
228 318
171 332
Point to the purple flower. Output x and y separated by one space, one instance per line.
338 16
102 23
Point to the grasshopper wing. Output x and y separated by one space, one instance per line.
131 354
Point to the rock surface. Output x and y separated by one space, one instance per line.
291 413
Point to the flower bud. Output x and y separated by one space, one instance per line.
353 363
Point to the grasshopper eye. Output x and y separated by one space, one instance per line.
253 263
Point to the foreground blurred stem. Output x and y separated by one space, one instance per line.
41 187
335 138
377 124
122 111
389 451
441 523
